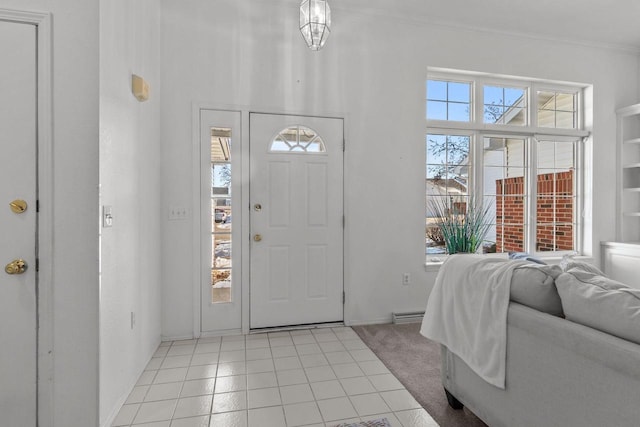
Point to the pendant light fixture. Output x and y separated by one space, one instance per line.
315 22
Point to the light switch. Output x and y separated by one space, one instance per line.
107 217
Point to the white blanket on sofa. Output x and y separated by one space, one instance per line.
467 312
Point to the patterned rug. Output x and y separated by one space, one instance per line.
382 422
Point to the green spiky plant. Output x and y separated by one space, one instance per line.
463 230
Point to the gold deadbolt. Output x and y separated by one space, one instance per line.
18 206
17 266
257 237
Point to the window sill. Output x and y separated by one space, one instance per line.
434 262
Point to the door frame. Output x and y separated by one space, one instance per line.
44 193
244 175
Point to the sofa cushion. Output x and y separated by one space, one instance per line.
601 303
569 263
533 285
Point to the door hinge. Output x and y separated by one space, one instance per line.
37 264
343 221
344 145
37 205
344 298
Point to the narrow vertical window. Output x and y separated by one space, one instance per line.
505 188
447 182
556 202
221 215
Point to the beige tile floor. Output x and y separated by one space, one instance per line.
313 377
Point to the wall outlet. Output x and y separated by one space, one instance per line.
177 213
133 319
406 278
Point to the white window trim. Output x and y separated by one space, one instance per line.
533 133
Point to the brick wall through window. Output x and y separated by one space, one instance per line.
554 208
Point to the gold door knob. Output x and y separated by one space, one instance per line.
17 266
257 237
18 206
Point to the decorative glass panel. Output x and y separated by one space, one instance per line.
297 139
221 284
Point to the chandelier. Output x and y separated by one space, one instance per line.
315 22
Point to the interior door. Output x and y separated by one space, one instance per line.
18 303
296 220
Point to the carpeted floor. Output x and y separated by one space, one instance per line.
415 361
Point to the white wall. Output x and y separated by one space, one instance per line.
373 69
74 283
130 183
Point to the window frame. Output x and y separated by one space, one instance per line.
531 132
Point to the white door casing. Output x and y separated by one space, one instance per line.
18 292
296 224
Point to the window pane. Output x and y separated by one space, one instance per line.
457 149
493 95
434 239
505 177
565 120
447 183
565 102
221 215
221 250
458 112
517 117
436 110
448 160
513 96
459 92
554 237
493 113
448 100
557 110
436 90
220 286
555 205
505 105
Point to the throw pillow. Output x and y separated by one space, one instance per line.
526 256
601 303
569 263
533 285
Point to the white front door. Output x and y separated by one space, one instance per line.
18 299
296 220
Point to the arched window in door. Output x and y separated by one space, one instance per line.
297 139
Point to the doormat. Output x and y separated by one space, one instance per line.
382 422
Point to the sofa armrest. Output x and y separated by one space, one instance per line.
558 373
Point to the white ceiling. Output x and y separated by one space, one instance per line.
613 23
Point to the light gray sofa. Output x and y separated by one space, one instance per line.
558 373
